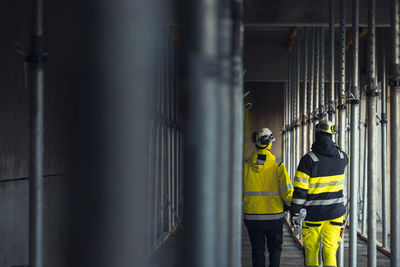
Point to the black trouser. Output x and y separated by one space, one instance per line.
274 243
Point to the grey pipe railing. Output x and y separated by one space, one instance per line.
395 137
355 141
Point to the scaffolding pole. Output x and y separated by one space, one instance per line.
298 120
305 90
322 114
224 128
201 139
237 142
372 94
331 104
289 120
316 81
311 92
385 193
36 60
395 138
355 141
342 104
293 121
365 178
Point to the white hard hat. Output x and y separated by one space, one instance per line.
263 137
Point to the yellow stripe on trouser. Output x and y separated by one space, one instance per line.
330 241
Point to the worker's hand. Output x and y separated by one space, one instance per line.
295 219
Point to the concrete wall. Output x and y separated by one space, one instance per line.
266 111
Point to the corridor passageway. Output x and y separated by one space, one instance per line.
125 126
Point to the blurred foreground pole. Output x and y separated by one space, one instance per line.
109 185
201 133
395 137
237 111
36 60
225 126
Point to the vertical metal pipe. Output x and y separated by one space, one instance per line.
317 73
36 60
298 120
293 118
355 141
237 138
162 136
342 103
342 81
331 104
311 92
322 114
225 126
201 134
372 136
305 91
385 213
168 130
289 121
395 138
157 169
365 178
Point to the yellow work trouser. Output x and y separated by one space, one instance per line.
329 231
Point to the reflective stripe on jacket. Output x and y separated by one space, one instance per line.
266 185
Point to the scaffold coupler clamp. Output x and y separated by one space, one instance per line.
394 78
297 123
351 99
315 115
331 107
372 89
304 122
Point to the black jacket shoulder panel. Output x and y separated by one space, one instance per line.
306 165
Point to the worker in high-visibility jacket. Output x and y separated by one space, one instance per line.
318 187
267 188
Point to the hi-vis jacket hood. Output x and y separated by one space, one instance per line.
325 145
266 185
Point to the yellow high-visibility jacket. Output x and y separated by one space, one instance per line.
266 185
